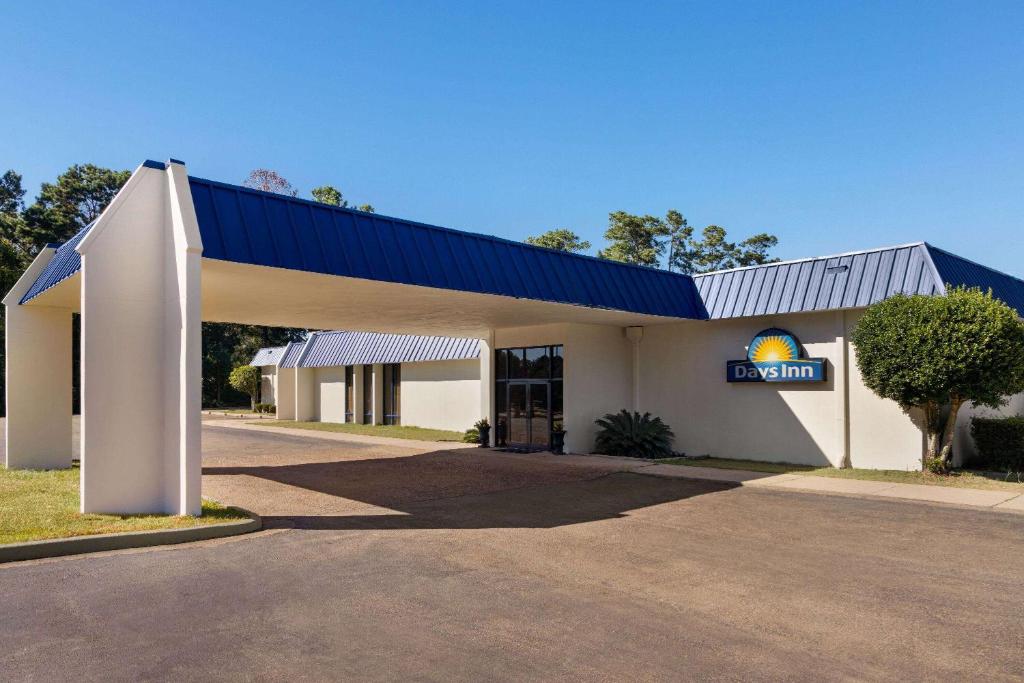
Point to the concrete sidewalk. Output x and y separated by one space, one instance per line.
999 500
268 427
979 498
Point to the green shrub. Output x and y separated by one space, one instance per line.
246 378
1000 443
265 408
472 435
633 435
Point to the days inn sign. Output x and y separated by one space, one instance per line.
775 355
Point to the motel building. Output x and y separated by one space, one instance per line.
749 363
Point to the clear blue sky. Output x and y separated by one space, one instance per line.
837 126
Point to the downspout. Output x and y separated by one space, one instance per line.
634 335
841 386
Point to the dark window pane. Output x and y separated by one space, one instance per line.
556 402
350 392
501 413
516 364
518 426
556 361
537 362
368 394
501 371
539 427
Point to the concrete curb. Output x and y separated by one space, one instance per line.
76 545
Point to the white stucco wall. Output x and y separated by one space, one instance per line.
286 394
268 381
441 394
683 381
330 394
597 374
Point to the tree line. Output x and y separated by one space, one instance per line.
669 241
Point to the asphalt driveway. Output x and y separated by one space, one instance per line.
386 563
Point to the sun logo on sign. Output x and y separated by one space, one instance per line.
772 346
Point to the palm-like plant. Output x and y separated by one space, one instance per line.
633 435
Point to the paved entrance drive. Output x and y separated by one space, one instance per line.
395 564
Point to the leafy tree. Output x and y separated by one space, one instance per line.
246 379
269 180
713 251
328 194
936 353
561 239
227 345
11 193
65 207
634 239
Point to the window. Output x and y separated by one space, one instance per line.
392 394
350 392
528 395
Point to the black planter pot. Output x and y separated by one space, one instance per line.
485 436
558 442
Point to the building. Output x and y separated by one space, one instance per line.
749 363
374 378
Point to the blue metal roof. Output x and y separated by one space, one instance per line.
65 263
291 354
248 226
268 356
327 349
824 283
956 270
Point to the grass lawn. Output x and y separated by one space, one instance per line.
394 431
44 504
959 479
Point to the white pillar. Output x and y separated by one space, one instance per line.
305 389
285 393
38 357
634 335
487 371
141 350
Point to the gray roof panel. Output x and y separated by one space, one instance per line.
331 349
826 283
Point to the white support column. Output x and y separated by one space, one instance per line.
141 350
38 357
487 383
305 379
634 335
285 393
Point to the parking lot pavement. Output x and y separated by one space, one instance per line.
385 564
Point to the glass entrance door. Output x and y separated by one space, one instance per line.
528 414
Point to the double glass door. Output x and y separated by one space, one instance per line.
529 414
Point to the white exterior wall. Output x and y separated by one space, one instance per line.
330 394
441 394
683 381
285 393
268 384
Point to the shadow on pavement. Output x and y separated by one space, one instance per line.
455 491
